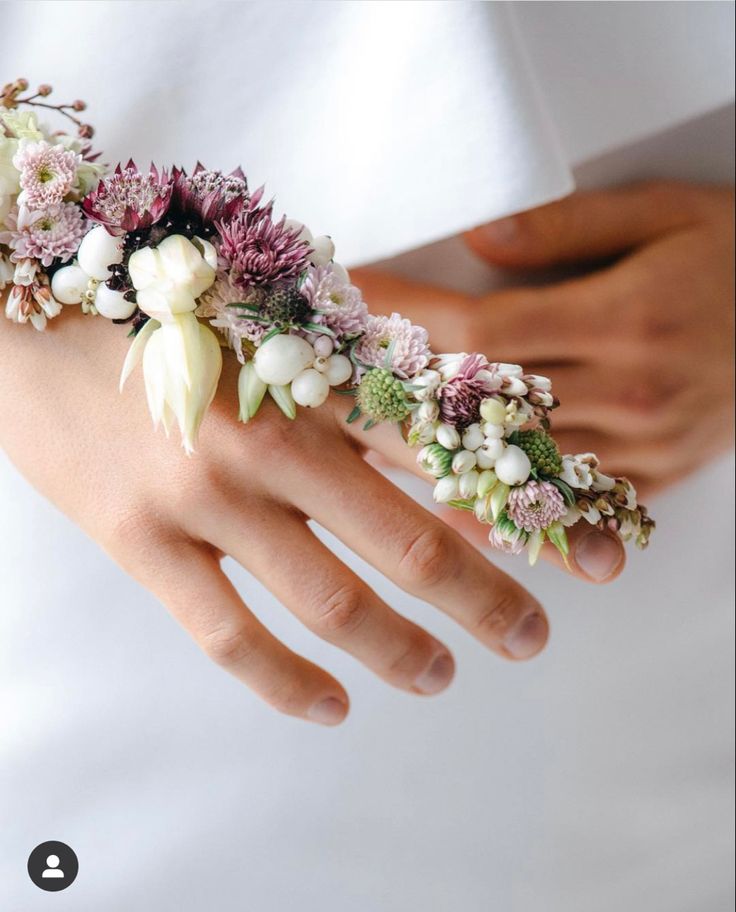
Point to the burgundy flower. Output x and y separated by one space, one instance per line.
128 200
208 196
259 251
461 396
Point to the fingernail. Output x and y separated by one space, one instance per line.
439 674
528 637
598 556
503 231
328 712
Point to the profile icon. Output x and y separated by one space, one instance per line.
53 869
53 866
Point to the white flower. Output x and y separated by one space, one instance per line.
576 473
446 489
425 385
448 436
9 175
463 462
181 356
6 271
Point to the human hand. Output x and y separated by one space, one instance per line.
248 492
640 352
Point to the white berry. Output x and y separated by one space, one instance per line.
513 466
69 284
98 251
310 388
280 359
472 437
112 304
339 369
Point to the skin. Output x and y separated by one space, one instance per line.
168 519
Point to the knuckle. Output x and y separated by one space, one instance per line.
495 620
285 696
429 559
227 646
343 611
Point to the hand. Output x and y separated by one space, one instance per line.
248 492
640 352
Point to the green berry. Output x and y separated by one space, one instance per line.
543 452
381 397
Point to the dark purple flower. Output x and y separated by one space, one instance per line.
259 251
128 200
208 196
460 397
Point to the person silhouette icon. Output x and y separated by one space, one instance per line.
53 869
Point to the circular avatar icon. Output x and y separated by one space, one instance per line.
53 866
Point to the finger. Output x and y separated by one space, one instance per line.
423 556
336 604
190 583
588 225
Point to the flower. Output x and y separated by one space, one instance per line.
543 452
258 250
47 173
206 197
395 344
128 200
576 471
506 537
337 303
535 505
9 176
7 271
181 357
230 321
33 302
45 235
435 460
470 381
382 397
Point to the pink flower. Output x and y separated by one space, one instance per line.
47 173
461 396
339 304
214 305
535 505
128 200
258 250
48 235
394 343
208 196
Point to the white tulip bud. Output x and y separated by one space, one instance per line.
310 388
486 482
323 250
493 411
513 466
515 387
251 390
463 461
98 251
446 489
448 437
537 382
323 346
339 369
281 358
112 304
468 484
472 437
69 284
510 370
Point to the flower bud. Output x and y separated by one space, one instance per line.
281 395
463 461
44 90
498 498
493 411
468 484
435 460
515 387
487 480
446 489
513 466
251 390
448 437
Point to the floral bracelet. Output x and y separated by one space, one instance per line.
177 256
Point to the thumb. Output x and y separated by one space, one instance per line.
589 225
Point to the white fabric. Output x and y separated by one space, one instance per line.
388 124
595 778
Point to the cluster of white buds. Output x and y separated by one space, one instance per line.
294 372
83 282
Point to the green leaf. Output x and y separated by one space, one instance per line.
369 424
319 328
558 536
354 415
270 335
242 305
566 491
461 505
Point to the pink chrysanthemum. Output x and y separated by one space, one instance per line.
535 505
214 306
394 343
258 250
47 173
461 396
45 236
128 200
507 540
338 304
208 196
